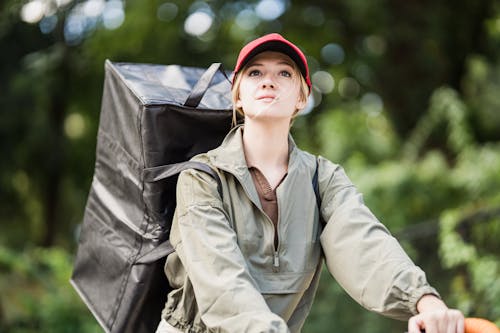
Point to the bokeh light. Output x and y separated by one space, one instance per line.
348 87
374 44
81 20
33 11
371 103
323 81
270 9
48 24
93 8
198 23
75 27
333 53
247 19
113 15
36 11
74 126
167 11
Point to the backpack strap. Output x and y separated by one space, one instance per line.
165 171
315 184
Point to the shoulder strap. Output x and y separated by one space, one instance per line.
165 171
315 184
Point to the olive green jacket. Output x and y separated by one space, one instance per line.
227 274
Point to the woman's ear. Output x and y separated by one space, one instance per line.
238 103
301 103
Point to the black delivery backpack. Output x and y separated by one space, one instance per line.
153 119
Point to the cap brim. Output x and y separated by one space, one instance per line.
277 46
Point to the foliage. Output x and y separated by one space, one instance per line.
475 288
450 192
36 296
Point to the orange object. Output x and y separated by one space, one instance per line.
479 325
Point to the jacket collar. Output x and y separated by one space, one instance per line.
230 156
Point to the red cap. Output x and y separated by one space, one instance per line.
273 42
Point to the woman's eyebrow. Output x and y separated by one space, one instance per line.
285 63
255 64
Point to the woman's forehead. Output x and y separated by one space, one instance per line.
271 56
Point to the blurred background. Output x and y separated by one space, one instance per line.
406 97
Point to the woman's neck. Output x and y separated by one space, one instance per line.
266 145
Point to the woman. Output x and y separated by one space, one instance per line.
250 260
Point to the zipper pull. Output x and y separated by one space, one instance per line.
276 261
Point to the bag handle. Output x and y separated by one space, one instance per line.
203 83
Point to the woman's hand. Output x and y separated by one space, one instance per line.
435 317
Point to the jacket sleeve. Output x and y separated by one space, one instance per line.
226 294
361 254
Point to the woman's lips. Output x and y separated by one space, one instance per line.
266 98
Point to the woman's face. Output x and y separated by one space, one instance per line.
270 87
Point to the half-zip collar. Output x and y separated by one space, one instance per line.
230 157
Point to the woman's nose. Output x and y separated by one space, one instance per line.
267 82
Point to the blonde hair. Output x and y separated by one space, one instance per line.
235 92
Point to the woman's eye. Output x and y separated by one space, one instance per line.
254 72
286 74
